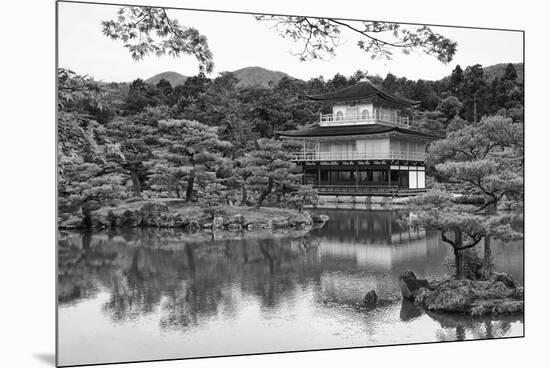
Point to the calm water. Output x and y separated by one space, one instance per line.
156 294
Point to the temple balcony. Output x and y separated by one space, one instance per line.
376 118
309 156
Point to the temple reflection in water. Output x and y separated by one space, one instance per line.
250 292
375 239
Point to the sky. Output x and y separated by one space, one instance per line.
238 41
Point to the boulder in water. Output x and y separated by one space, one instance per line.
410 285
319 219
371 299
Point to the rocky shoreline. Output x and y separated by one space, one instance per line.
179 215
498 295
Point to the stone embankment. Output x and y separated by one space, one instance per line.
162 214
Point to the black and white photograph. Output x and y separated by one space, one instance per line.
233 183
205 183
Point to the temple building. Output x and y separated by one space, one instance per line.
365 147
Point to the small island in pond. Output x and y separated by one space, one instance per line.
177 214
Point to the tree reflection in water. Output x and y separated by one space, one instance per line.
187 279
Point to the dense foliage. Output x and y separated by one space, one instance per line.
124 140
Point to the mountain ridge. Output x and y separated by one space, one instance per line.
259 76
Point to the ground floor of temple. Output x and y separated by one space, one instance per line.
365 179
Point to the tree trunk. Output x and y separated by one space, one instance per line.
135 183
487 265
459 264
189 190
244 198
459 257
87 215
265 193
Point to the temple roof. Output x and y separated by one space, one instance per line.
352 130
362 90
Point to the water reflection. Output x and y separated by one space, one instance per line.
173 294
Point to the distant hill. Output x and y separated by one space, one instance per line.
248 77
497 70
258 76
173 77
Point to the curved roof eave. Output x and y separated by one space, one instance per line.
353 130
365 89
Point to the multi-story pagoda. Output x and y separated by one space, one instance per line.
365 146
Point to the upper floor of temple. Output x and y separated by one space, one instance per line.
365 103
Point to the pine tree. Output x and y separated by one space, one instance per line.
270 164
191 152
88 175
136 137
459 226
456 81
486 159
474 85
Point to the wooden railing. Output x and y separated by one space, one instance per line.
331 119
348 156
357 189
366 190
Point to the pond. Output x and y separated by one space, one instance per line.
131 295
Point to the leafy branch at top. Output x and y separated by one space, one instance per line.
147 30
321 36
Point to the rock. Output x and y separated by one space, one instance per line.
234 227
371 299
217 223
239 219
193 226
409 285
257 226
319 219
129 218
151 213
180 221
451 297
504 278
279 222
300 220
